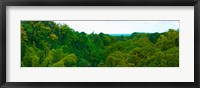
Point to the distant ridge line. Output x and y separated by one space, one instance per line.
119 34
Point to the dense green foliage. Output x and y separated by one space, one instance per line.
47 44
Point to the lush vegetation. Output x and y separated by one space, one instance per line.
47 44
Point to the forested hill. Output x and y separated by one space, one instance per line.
47 44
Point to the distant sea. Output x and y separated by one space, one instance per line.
119 34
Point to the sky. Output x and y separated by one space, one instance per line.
121 27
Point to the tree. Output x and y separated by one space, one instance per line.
35 61
56 54
30 60
47 61
162 42
70 60
59 64
116 59
172 57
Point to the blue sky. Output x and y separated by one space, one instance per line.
121 27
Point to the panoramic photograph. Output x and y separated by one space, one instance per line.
100 43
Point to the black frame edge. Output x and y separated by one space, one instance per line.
196 43
1 67
101 2
3 44
4 84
